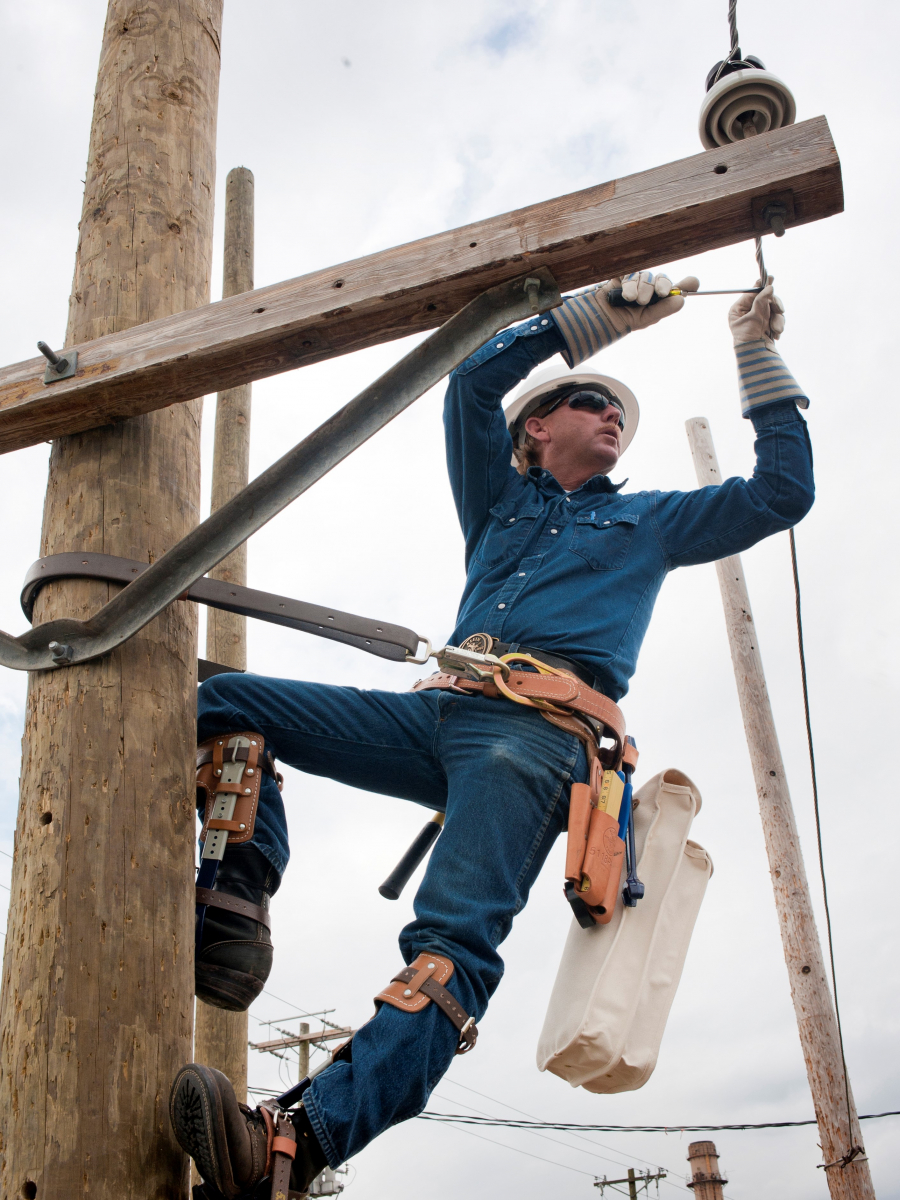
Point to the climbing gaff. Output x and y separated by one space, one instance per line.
64 642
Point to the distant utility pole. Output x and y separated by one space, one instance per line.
813 1006
220 1036
97 1000
707 1181
641 1179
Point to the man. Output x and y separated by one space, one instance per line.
560 564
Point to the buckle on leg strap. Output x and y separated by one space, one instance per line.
412 989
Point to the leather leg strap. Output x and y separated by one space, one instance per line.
413 989
281 1149
234 904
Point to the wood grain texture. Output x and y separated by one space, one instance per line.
97 1000
639 221
220 1037
810 991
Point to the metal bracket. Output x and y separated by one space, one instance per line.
771 213
58 367
230 526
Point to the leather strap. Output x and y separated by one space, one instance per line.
282 1147
386 640
413 988
233 904
559 689
206 754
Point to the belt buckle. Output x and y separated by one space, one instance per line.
478 643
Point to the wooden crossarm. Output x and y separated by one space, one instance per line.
639 221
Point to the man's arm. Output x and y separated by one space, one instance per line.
714 522
479 448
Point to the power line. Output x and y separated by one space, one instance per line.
566 1145
815 791
527 1153
568 1126
590 1141
530 1116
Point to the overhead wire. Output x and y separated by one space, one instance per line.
571 1126
815 792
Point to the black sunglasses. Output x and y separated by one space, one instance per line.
592 400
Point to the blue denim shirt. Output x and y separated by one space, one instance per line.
578 574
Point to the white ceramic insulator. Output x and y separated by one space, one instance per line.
759 93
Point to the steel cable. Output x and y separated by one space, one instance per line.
815 792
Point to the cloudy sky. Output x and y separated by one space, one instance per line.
367 125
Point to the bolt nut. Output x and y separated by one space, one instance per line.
61 654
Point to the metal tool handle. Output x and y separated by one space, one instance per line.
400 876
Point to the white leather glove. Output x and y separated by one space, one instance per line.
589 324
757 318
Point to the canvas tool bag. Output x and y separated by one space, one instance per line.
616 982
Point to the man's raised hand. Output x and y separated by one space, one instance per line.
589 323
757 318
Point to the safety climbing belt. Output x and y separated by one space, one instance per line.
599 833
390 641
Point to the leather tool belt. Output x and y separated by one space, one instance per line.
413 989
595 852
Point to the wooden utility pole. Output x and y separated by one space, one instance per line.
98 968
220 1037
813 1006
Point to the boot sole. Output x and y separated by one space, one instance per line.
223 988
195 1110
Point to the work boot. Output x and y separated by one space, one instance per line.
230 1143
234 957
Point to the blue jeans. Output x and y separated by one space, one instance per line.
502 774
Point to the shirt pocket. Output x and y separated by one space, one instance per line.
604 541
506 532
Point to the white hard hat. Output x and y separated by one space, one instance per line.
537 388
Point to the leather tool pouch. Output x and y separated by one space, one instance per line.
413 989
595 853
230 766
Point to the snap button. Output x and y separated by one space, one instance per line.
431 966
534 329
501 606
511 519
499 345
544 322
606 522
521 574
553 531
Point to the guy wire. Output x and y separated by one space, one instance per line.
815 791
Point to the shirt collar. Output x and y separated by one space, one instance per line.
549 483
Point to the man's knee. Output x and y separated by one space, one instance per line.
218 702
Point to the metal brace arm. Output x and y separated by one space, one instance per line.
227 528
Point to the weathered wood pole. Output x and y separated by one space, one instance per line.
97 997
220 1037
810 993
